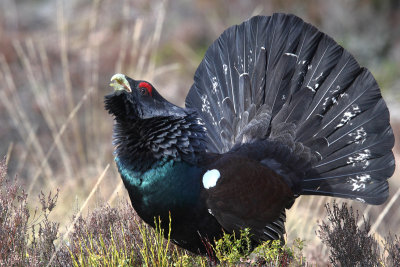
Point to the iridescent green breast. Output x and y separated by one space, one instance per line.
167 185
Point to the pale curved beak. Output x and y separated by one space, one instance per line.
119 83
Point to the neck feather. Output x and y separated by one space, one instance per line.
142 143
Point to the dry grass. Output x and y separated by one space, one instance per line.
55 131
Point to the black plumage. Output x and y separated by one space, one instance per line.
277 109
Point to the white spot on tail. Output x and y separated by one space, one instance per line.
360 159
225 68
349 114
359 182
210 178
292 55
205 107
319 76
312 89
359 135
360 199
325 101
214 85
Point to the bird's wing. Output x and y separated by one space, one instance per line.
279 78
241 193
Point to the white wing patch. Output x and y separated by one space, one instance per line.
210 178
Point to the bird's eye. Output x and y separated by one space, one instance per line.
144 91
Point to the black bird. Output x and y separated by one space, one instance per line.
278 109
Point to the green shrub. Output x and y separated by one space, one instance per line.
273 253
97 253
155 248
230 250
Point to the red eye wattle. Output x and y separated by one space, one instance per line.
147 86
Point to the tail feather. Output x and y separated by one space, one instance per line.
362 94
362 128
366 185
372 195
337 80
281 61
280 78
326 57
377 167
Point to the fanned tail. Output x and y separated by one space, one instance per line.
281 79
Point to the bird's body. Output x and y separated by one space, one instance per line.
277 110
172 188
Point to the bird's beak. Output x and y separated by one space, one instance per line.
119 82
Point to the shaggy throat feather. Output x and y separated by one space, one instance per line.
146 141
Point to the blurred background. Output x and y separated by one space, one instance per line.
56 59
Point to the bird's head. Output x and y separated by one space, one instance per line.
137 100
148 127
